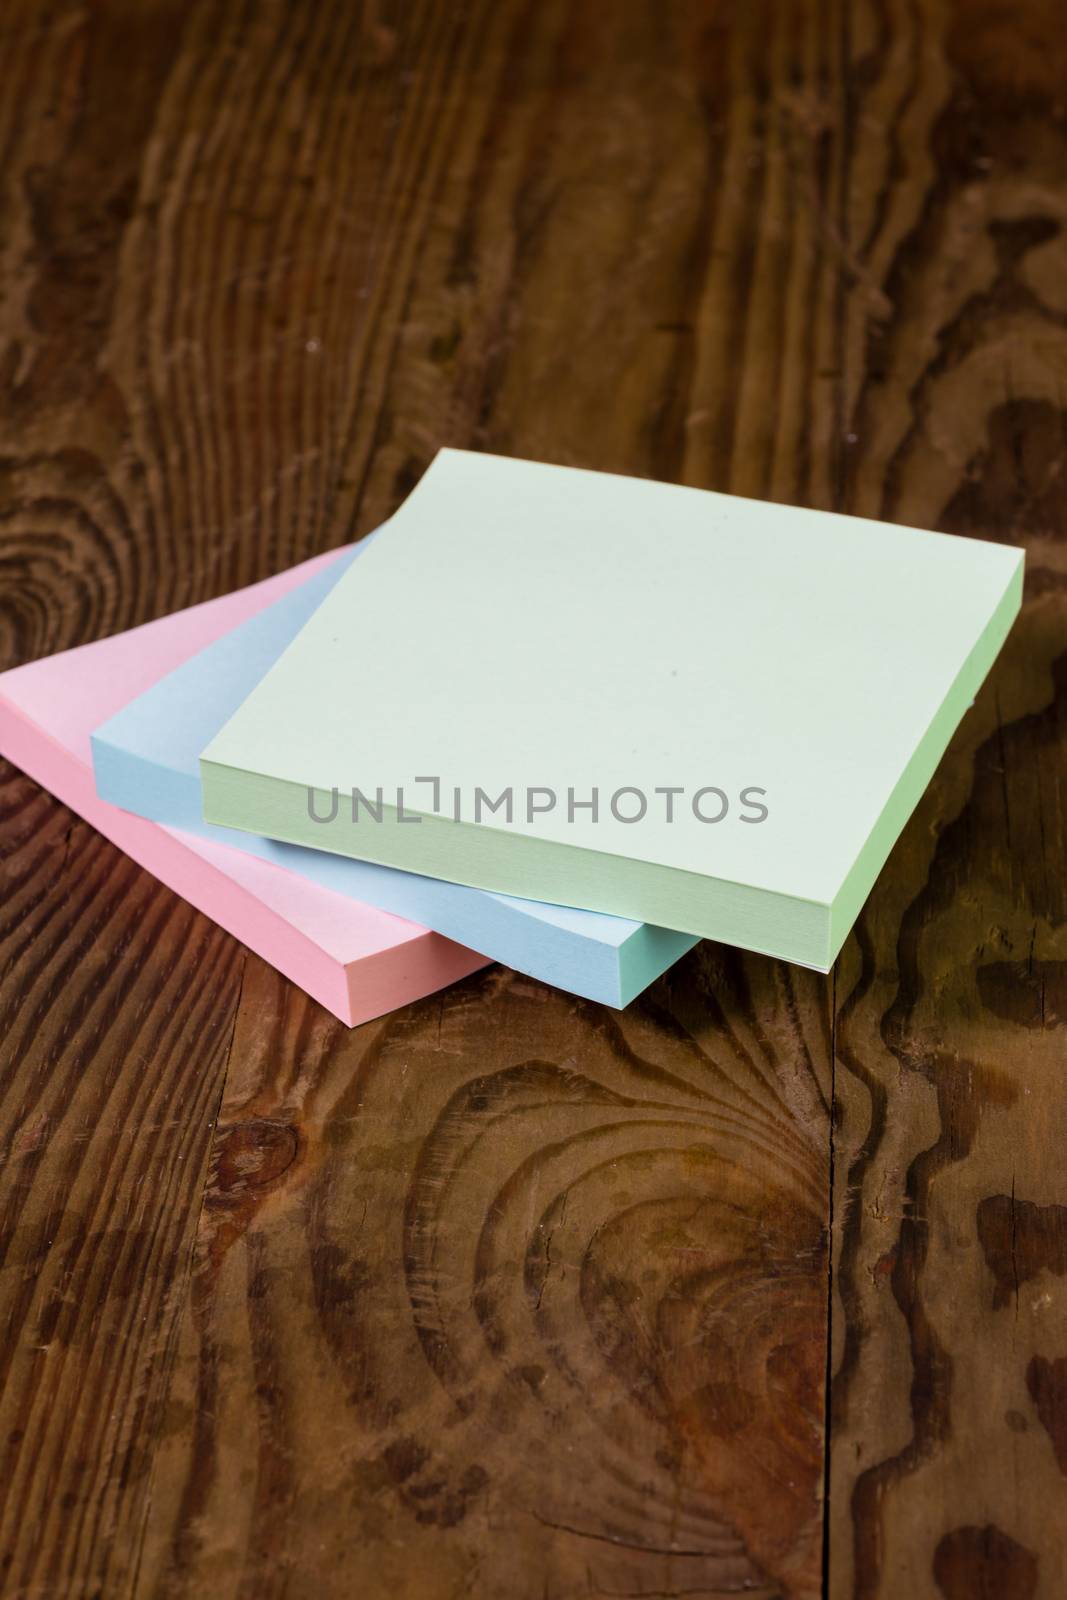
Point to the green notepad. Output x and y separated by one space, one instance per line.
704 712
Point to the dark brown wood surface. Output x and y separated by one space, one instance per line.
508 1294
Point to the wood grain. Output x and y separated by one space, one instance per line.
503 1294
950 1223
118 1004
508 1294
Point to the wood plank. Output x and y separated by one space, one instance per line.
382 1382
505 1292
509 1294
950 1222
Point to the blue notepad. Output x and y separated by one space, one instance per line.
146 760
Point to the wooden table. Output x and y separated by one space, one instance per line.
508 1294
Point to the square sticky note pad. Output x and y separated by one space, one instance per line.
146 759
704 712
356 960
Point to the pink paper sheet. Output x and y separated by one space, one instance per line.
358 962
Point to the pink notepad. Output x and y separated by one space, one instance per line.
358 962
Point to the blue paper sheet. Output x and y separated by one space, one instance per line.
146 760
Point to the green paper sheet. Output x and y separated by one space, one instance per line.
754 696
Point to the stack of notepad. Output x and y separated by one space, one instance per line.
563 720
